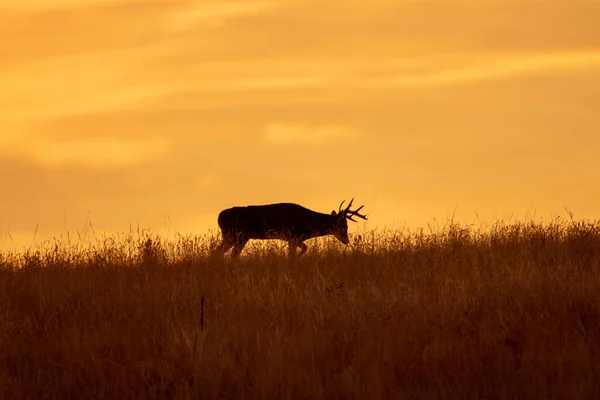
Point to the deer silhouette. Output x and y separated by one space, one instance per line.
285 221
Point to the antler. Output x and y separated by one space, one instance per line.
351 213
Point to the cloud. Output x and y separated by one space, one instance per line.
55 28
154 50
290 133
22 6
53 32
40 90
81 84
505 66
214 14
96 153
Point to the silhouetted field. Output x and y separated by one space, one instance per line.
508 311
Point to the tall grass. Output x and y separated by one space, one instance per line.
511 310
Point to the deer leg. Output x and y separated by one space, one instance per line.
239 246
225 245
293 245
303 248
291 248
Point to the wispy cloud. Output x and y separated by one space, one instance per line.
33 5
487 69
291 133
84 84
214 14
95 153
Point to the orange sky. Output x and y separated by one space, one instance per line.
164 112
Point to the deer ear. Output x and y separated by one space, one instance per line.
333 212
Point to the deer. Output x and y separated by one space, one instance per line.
284 221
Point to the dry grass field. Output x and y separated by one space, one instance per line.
505 311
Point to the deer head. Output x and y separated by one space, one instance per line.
340 230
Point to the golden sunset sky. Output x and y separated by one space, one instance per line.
163 112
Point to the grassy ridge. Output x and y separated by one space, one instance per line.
507 311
